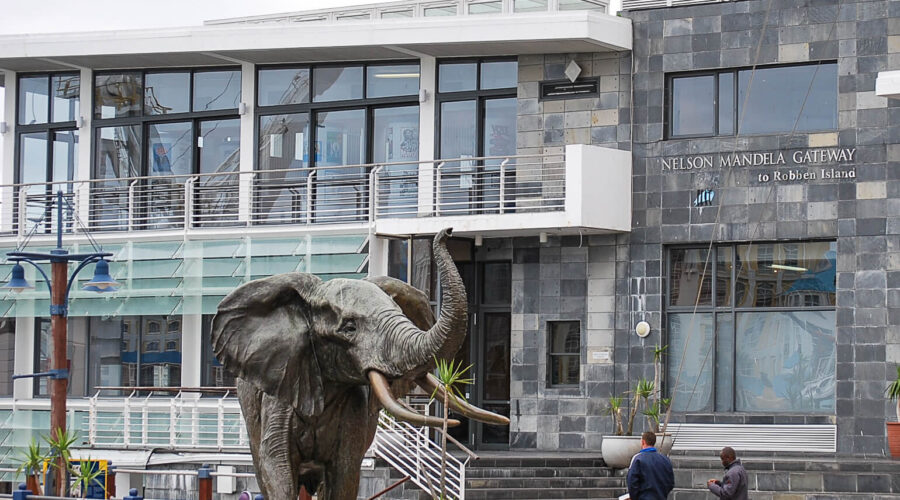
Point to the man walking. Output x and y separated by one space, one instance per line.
734 485
650 475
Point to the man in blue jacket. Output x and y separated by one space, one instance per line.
650 475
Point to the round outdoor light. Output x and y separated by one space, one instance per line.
101 281
642 329
18 282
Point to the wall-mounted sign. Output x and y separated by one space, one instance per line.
790 165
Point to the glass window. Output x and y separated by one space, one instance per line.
724 267
396 134
495 285
65 158
791 98
486 8
724 362
785 361
398 259
580 5
458 138
693 105
76 343
455 77
387 81
283 86
500 74
34 105
167 93
220 146
169 148
158 367
397 14
118 152
7 355
283 141
113 353
214 90
444 10
564 352
341 140
33 157
214 374
726 104
690 336
530 5
500 127
776 275
66 90
337 83
117 95
690 277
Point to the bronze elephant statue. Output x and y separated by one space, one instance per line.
317 360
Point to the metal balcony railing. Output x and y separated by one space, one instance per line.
653 4
310 196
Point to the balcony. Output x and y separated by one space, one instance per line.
586 191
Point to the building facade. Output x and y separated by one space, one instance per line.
725 172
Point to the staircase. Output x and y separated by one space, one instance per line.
543 477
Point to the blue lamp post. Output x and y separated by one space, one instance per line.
60 285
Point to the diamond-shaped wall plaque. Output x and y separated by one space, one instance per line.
572 71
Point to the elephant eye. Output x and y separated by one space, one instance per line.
348 326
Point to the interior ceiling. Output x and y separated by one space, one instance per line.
297 54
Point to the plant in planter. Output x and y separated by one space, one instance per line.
450 377
31 460
85 477
61 444
893 428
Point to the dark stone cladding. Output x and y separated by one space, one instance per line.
862 214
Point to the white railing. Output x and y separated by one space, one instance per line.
410 450
311 196
420 8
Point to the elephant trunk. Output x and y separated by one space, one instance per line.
446 336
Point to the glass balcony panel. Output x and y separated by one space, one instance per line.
530 6
485 8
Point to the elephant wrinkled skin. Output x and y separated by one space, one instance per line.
316 361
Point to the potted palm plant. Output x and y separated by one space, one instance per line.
451 375
893 428
31 461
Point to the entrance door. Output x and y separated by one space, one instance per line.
487 348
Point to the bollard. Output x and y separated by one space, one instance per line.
111 481
132 495
22 493
204 483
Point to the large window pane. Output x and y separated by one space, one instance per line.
283 86
500 127
169 149
786 274
167 93
117 95
66 90
283 146
340 140
337 83
160 348
387 81
726 103
455 77
65 159
724 362
724 283
34 105
690 277
7 355
33 168
499 75
693 105
113 353
220 146
118 152
76 353
458 129
792 98
214 374
565 352
216 90
489 7
690 361
396 137
785 361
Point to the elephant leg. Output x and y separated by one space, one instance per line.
341 481
270 424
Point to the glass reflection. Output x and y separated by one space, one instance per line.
337 83
118 157
693 105
456 77
499 74
33 100
117 95
33 168
66 91
160 364
283 86
495 382
167 93
65 159
565 352
690 277
726 103
786 274
283 148
113 353
785 361
691 336
724 362
790 98
458 140
7 355
486 8
530 5
216 90
216 197
387 81
396 136
340 140
169 152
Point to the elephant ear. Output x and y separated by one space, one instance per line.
412 301
261 334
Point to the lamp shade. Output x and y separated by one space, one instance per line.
18 282
101 281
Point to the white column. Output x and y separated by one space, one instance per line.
248 144
7 161
24 362
191 350
427 113
85 145
378 255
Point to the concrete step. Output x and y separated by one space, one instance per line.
544 494
704 494
546 483
573 472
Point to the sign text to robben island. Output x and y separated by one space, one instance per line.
789 165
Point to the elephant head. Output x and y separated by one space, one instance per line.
294 336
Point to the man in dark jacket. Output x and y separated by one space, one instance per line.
650 475
734 485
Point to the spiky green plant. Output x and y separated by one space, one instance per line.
84 476
893 392
61 443
450 375
642 391
614 408
31 460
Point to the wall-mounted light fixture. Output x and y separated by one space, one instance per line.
542 237
3 127
242 108
642 329
423 96
478 240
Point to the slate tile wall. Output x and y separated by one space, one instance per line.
862 214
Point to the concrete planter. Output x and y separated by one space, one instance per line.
893 435
617 451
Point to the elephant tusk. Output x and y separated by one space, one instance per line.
430 383
382 390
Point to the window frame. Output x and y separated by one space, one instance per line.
551 354
731 309
735 72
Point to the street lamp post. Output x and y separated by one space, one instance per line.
60 285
